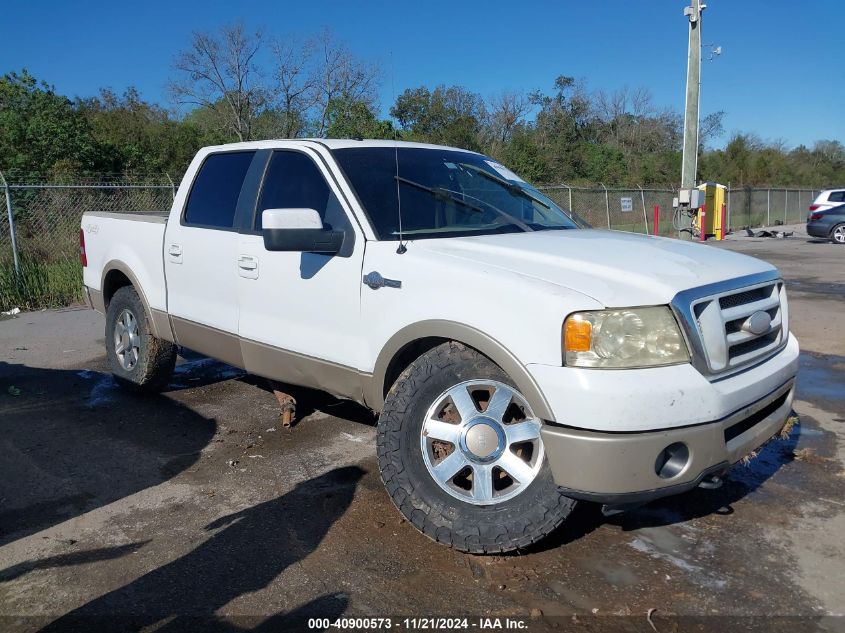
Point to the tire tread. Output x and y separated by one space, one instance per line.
474 536
157 358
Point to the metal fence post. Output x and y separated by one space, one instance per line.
729 203
570 197
785 203
12 234
642 199
606 204
768 207
172 186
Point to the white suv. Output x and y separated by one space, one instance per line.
828 199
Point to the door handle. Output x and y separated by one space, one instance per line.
247 263
174 252
248 266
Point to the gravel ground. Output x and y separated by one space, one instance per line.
195 507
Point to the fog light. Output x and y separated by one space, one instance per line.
672 460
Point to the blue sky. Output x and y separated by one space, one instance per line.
780 75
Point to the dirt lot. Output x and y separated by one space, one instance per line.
127 512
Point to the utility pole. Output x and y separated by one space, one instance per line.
690 157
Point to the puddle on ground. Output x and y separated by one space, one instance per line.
821 377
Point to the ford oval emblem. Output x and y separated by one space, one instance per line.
758 323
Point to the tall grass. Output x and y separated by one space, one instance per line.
41 284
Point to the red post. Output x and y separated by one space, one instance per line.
656 222
724 220
702 223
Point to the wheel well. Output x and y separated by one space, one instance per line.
114 281
407 355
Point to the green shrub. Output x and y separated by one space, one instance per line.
40 284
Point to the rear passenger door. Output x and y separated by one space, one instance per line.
200 258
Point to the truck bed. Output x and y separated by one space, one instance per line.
133 241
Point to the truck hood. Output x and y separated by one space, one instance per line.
616 269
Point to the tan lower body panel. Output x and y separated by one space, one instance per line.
298 369
95 300
209 341
161 325
271 362
625 463
159 321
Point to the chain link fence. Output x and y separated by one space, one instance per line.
633 209
39 231
39 235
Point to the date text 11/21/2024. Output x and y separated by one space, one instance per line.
420 624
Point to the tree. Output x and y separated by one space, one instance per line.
219 73
39 128
507 110
710 128
295 85
355 120
136 136
314 79
340 79
449 116
523 155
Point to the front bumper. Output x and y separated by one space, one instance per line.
613 426
616 468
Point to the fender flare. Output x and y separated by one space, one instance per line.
159 321
469 336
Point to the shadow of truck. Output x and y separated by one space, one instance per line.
63 457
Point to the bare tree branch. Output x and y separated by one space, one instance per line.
221 69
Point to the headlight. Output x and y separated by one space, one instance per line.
639 337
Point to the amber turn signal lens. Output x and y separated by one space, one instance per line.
578 334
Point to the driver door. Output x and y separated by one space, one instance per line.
300 312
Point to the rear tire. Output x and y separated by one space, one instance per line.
501 517
837 235
139 361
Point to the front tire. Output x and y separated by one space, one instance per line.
461 455
139 361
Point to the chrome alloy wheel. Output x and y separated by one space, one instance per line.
839 234
127 340
481 442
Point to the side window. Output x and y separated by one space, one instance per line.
214 194
293 181
836 196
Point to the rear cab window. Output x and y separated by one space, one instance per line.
213 198
836 196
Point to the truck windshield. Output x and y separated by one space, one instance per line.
445 193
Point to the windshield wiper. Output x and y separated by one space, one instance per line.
440 193
510 186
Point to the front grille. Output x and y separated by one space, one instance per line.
727 334
741 349
741 298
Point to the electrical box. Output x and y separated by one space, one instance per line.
692 198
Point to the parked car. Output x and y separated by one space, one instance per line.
829 224
519 362
828 199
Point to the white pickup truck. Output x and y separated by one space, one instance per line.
519 360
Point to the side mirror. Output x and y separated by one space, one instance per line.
299 230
